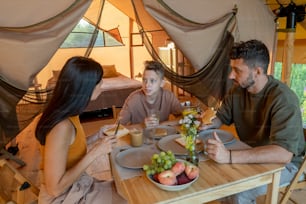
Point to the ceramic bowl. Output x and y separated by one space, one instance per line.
177 187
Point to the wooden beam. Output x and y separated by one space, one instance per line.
287 57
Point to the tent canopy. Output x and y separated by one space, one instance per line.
33 39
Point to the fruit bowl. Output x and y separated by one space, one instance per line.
176 187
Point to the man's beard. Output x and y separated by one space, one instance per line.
249 82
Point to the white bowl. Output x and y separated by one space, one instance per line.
174 187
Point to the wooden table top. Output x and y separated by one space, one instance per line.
219 179
215 181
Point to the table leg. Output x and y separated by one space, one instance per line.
273 188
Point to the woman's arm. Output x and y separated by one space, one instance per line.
57 177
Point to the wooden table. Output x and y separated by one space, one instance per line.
215 181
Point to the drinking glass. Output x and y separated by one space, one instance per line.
136 137
151 122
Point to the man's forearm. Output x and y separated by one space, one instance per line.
262 154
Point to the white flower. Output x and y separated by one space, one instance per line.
197 123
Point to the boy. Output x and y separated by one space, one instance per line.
150 97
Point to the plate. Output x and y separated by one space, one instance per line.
226 137
174 187
164 130
136 157
169 143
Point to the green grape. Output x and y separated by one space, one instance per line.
169 162
155 156
160 162
145 167
166 166
162 154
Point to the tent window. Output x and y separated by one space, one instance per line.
82 33
298 83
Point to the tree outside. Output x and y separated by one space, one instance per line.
298 83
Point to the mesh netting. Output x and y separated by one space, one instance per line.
210 83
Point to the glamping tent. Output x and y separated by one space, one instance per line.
202 32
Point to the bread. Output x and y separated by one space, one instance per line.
160 132
208 115
182 142
121 131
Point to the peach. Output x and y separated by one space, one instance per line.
167 177
192 171
178 168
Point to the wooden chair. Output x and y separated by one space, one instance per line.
14 187
295 184
114 110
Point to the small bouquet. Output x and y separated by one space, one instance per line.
189 128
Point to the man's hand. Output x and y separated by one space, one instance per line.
216 150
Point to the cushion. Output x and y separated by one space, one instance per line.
109 71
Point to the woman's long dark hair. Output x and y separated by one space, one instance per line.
71 95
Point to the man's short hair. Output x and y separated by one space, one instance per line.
154 66
253 52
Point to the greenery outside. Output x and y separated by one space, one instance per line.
82 34
298 83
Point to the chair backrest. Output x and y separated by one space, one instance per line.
14 186
296 183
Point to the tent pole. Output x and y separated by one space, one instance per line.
287 57
131 53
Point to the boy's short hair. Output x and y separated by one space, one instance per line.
154 66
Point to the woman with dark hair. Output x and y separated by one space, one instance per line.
64 144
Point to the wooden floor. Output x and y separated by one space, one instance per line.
29 153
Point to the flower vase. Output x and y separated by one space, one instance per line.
193 156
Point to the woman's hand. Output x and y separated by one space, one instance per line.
103 146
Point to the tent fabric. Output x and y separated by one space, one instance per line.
210 83
197 27
26 36
9 126
205 39
203 30
31 40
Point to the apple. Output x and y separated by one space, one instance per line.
167 177
178 168
192 171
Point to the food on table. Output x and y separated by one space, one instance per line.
160 162
160 132
121 131
191 171
208 115
166 170
167 177
181 141
178 168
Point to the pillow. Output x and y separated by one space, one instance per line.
109 71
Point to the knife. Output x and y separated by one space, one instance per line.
117 128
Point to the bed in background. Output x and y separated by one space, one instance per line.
116 88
